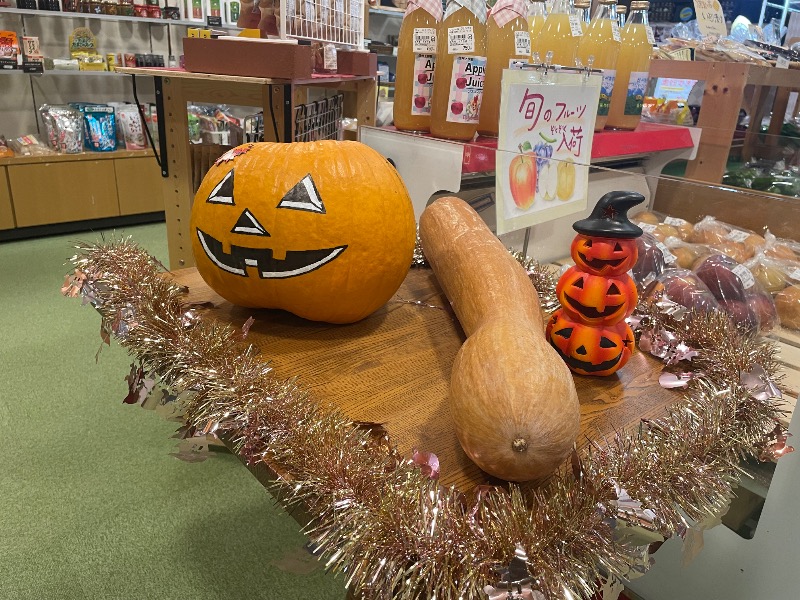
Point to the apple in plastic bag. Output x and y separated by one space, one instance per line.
716 271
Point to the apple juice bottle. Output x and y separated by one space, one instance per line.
582 10
622 13
416 57
537 13
560 35
602 43
507 41
460 70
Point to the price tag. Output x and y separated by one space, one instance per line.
674 221
795 274
615 32
460 40
648 227
782 62
424 40
522 43
737 236
651 39
329 56
575 26
744 274
668 256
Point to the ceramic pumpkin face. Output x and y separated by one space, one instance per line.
590 350
324 230
602 255
596 300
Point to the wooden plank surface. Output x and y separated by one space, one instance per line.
6 209
180 73
394 368
93 156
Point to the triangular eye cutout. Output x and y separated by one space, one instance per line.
223 191
578 283
606 343
249 225
613 290
303 196
564 333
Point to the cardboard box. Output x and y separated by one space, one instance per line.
351 62
247 58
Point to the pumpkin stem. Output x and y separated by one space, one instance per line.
519 445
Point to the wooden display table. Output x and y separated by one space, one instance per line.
394 367
276 97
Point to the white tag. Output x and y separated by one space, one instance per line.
522 43
795 274
648 227
782 62
674 221
744 274
516 63
615 32
668 256
329 55
737 236
651 39
460 40
575 26
424 40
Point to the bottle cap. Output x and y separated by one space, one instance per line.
640 5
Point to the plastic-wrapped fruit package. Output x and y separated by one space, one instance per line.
739 244
661 226
780 277
738 293
687 254
685 288
787 304
653 259
781 249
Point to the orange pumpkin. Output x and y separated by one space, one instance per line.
596 300
324 230
590 350
604 255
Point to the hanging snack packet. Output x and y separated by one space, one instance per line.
100 128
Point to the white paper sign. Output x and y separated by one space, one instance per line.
544 146
710 18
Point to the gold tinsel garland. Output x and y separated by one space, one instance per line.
376 516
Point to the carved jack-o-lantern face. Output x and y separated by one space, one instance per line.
604 256
324 230
590 350
596 300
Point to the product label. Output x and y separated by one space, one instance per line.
795 274
606 87
466 89
516 63
782 62
460 39
647 227
737 236
575 26
329 57
522 43
651 39
423 84
424 40
615 32
745 275
669 257
635 99
674 221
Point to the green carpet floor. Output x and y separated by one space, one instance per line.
91 503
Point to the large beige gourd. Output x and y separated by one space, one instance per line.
512 398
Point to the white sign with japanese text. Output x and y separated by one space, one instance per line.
710 18
544 146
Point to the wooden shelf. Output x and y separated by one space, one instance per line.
59 72
51 158
211 77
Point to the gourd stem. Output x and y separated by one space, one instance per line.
519 445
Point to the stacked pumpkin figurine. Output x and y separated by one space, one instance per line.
597 294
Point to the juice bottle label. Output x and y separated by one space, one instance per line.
466 89
635 97
424 40
615 32
606 87
522 43
575 26
460 40
651 39
422 89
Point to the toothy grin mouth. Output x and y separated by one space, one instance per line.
599 263
297 262
590 311
587 366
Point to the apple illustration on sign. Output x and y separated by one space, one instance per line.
422 78
461 83
522 180
419 102
456 108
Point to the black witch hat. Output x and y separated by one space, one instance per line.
610 217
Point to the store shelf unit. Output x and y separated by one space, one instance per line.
116 18
278 99
54 189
